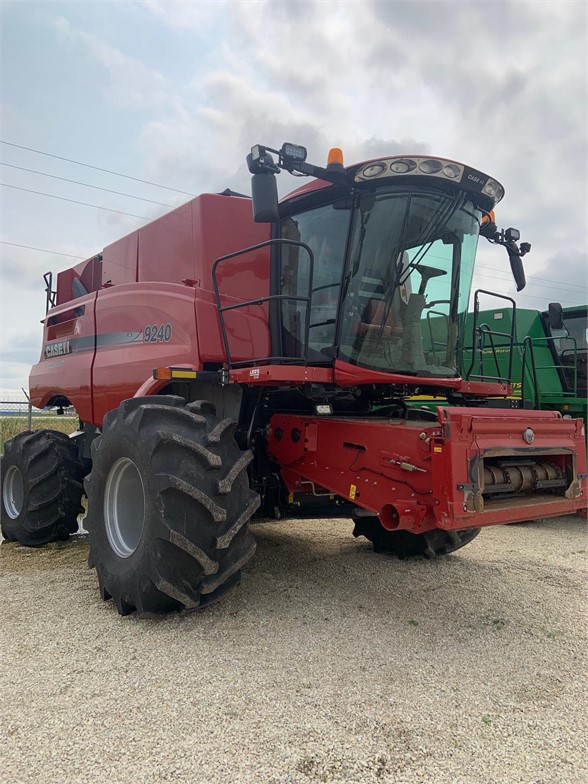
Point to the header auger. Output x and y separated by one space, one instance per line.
222 362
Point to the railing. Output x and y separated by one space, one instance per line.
50 293
529 345
222 309
435 344
483 337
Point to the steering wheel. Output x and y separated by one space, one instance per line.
427 273
437 302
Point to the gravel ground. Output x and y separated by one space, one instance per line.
328 663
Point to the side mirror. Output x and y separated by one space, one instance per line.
518 271
264 191
508 239
555 316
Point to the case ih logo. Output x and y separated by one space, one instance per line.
57 349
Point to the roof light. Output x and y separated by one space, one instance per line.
493 189
402 166
451 170
293 152
335 157
416 167
512 235
257 152
430 166
374 170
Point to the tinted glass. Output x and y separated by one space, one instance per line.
325 231
411 268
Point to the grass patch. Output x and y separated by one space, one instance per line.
11 426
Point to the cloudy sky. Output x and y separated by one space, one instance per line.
176 93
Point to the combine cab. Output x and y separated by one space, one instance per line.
222 363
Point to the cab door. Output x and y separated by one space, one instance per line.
324 229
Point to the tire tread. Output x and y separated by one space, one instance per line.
198 503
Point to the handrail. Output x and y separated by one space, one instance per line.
430 328
478 340
260 300
528 348
50 294
529 345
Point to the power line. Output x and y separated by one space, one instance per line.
85 184
533 296
97 168
43 250
543 298
531 283
529 296
74 201
505 272
547 280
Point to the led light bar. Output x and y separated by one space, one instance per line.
439 168
293 152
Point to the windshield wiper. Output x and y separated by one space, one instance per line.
433 231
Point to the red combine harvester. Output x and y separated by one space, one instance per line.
219 363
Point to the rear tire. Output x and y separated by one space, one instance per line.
406 545
41 488
169 505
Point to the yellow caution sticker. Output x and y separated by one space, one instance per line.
437 449
291 498
352 491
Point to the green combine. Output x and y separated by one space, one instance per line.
542 354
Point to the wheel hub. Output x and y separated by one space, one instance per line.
13 492
124 507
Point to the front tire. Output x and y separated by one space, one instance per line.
406 545
169 505
41 488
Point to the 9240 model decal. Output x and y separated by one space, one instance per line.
151 333
157 333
